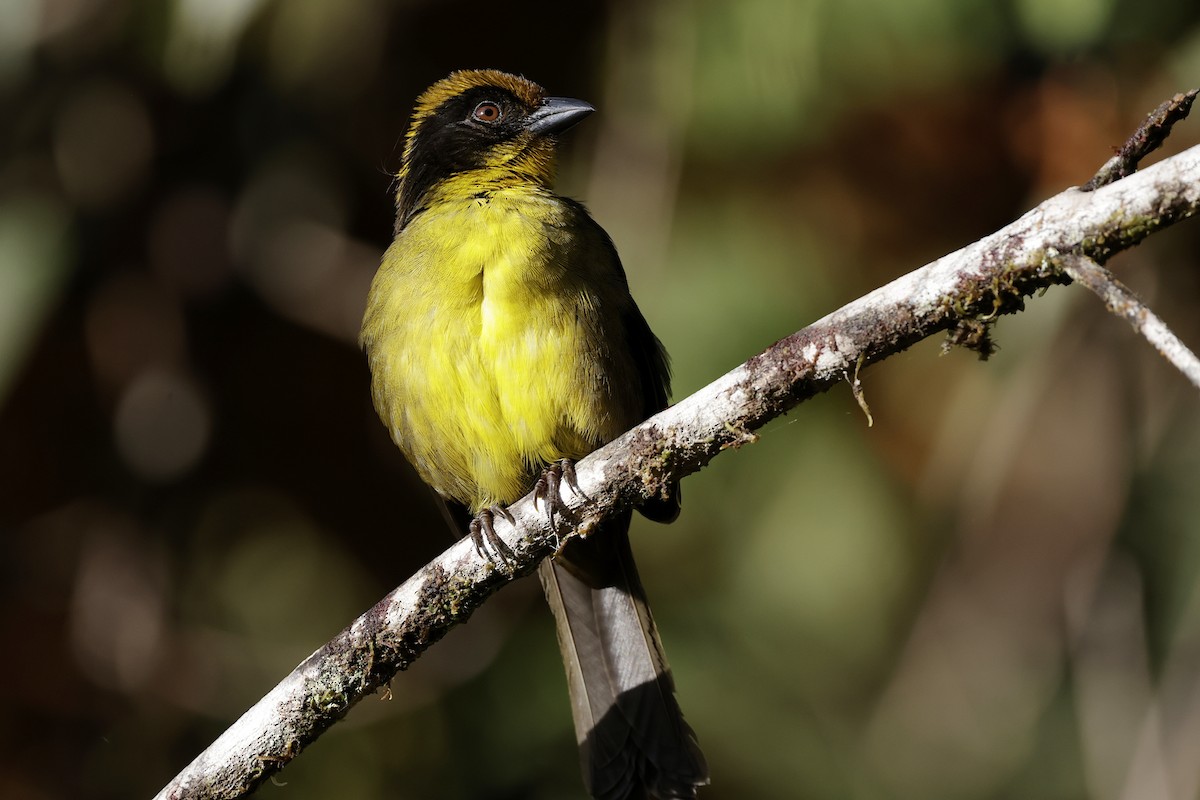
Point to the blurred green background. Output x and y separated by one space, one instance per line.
991 593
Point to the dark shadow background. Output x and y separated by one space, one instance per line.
992 592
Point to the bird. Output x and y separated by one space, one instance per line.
503 341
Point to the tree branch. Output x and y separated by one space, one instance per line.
1153 131
1121 301
961 293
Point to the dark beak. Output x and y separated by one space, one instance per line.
557 114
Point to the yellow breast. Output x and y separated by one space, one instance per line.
494 334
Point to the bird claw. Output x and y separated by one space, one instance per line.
548 489
483 535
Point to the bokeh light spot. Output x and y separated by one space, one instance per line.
132 325
188 241
103 143
162 425
118 607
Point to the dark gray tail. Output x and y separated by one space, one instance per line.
633 739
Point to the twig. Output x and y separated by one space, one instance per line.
973 285
1121 301
1146 139
859 395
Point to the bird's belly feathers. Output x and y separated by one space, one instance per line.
491 351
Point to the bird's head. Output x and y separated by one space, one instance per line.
498 127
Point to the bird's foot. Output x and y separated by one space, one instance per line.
483 535
548 489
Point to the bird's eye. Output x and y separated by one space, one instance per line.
487 112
